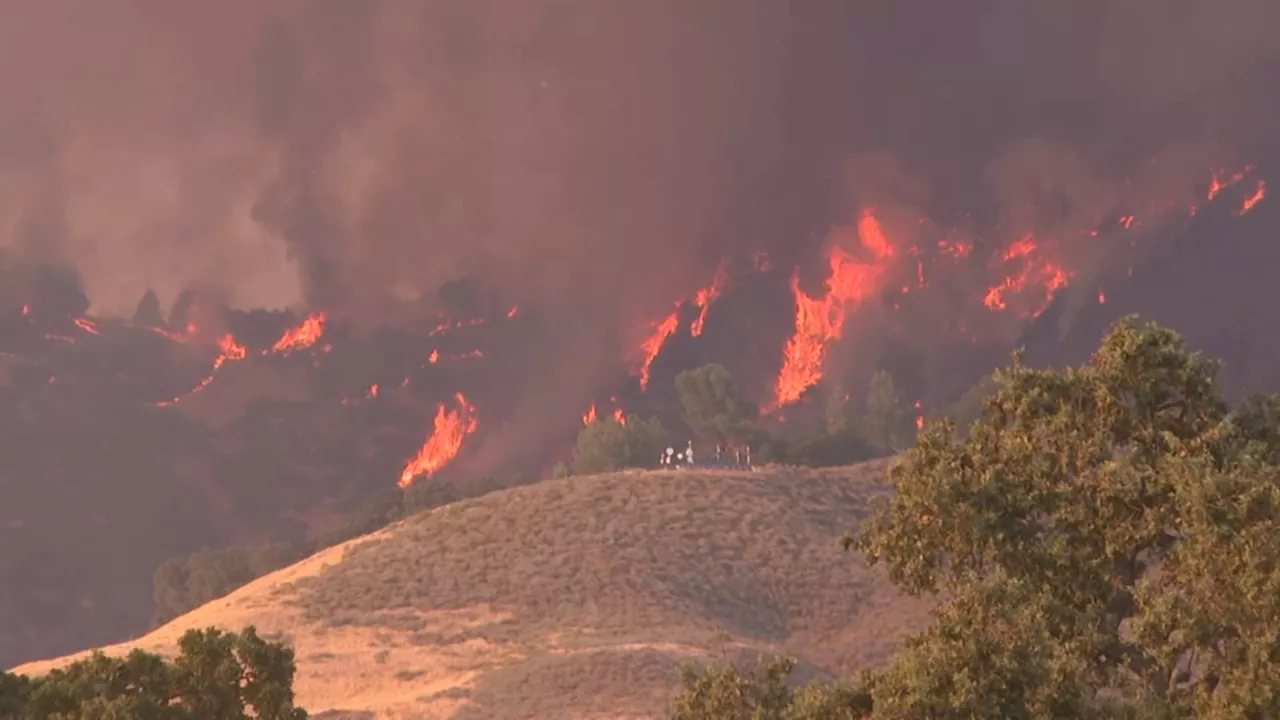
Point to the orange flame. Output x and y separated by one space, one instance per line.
448 432
1047 277
649 349
819 321
1252 201
620 416
301 337
705 296
589 416
1218 183
434 357
87 325
228 349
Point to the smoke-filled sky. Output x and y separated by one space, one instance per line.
346 153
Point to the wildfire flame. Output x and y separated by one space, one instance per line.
450 429
1043 276
591 415
649 349
703 298
301 337
1252 201
228 349
819 321
1221 181
87 325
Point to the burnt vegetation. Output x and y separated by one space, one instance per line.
1098 543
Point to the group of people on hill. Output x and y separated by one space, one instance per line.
740 458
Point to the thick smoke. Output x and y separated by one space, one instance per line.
347 154
593 156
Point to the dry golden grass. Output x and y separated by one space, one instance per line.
575 598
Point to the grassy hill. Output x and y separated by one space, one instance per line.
574 597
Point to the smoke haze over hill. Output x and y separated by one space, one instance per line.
339 153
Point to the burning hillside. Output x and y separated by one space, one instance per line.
493 222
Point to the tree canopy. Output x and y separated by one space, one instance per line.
217 676
608 445
714 407
1104 542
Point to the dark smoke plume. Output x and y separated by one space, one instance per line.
596 154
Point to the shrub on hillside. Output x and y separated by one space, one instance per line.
762 692
217 676
827 450
372 514
608 445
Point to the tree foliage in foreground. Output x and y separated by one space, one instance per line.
1106 541
217 676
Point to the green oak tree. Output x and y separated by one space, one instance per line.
1106 541
216 676
1103 542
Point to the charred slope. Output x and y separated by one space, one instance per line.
103 481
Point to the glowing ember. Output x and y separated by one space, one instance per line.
707 295
760 260
87 325
434 357
649 349
820 321
450 429
956 250
455 325
301 337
